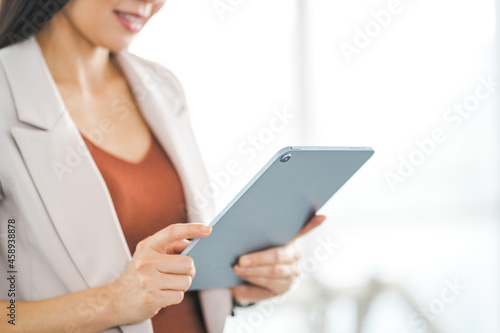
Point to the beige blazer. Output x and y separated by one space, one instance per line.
68 237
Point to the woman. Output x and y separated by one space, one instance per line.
98 157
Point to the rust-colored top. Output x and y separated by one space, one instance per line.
148 196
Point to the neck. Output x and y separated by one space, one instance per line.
72 59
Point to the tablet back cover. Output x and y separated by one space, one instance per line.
271 209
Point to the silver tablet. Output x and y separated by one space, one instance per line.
272 208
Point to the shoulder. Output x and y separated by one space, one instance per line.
4 85
6 101
158 74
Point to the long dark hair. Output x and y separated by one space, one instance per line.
20 19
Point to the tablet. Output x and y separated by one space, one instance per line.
272 208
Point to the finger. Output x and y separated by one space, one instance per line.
314 222
272 271
179 246
276 255
159 281
175 264
251 294
275 285
174 282
169 297
162 240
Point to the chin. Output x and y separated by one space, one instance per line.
117 43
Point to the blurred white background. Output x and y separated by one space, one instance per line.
385 74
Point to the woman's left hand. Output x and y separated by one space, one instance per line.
270 272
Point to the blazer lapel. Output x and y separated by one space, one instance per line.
64 173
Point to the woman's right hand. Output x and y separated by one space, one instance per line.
157 276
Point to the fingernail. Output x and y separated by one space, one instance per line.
238 269
245 261
206 228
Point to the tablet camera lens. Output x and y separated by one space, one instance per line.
285 158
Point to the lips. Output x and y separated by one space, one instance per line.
131 21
